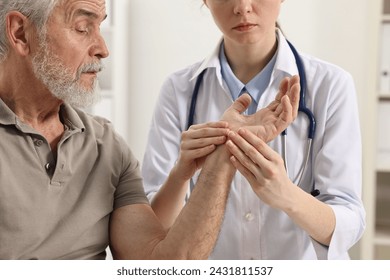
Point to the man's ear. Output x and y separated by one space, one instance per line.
17 28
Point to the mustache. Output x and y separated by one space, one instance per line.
90 67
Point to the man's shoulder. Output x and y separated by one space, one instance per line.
91 120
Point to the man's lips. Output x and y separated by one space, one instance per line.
90 73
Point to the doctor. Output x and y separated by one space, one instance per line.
268 215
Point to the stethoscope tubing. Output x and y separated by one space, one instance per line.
302 95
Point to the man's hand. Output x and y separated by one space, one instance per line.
268 122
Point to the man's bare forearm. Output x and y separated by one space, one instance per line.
195 231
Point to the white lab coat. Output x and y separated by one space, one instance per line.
251 229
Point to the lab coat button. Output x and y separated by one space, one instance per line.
47 166
249 216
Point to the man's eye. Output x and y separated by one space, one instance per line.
82 30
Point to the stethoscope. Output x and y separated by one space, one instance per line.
301 108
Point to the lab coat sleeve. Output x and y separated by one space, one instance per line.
163 143
338 164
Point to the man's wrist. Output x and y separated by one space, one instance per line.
220 158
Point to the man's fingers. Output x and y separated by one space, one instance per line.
242 103
283 88
294 94
289 87
286 116
273 105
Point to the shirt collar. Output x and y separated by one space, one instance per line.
284 60
7 116
254 87
235 85
71 118
68 114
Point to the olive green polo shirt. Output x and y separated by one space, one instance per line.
59 208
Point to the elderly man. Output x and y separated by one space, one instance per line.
69 185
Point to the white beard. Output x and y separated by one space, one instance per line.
59 80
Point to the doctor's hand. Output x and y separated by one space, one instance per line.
196 144
268 122
262 167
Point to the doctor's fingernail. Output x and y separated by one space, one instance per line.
242 131
230 144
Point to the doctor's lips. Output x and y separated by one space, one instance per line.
246 26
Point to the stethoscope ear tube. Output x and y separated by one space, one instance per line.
302 95
194 98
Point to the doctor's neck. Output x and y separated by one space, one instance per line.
247 60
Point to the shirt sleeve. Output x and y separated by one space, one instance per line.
129 189
163 144
338 165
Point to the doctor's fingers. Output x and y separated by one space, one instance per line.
190 155
204 131
261 146
254 154
247 154
217 124
252 178
243 163
192 144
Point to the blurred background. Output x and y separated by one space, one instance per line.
149 39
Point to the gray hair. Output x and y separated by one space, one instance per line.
38 11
